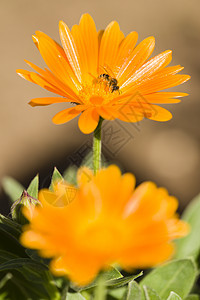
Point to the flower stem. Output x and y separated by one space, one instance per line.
97 147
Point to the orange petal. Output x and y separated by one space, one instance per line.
157 113
168 71
60 49
100 34
126 47
107 113
25 74
57 63
47 101
62 89
107 180
81 267
70 49
31 239
159 84
68 114
109 45
39 80
86 39
35 40
84 175
149 68
88 120
128 113
136 59
164 97
139 257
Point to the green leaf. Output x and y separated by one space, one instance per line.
192 297
4 280
4 296
100 290
190 245
118 293
88 161
10 232
110 274
74 296
174 296
11 226
150 294
12 188
55 177
33 187
115 283
107 276
21 262
134 291
178 276
85 294
70 175
6 256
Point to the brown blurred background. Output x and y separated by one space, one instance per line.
167 153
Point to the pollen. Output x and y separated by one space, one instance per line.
97 92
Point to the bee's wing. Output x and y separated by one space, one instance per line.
108 70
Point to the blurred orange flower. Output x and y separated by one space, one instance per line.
104 74
107 222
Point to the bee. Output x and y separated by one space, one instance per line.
112 82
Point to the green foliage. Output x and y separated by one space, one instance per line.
190 245
112 279
116 283
74 296
174 296
10 232
33 187
150 294
70 175
12 188
88 161
118 293
100 290
107 276
55 177
177 276
134 291
20 276
20 263
25 275
192 297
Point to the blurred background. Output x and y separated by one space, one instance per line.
167 153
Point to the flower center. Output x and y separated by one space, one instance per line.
100 90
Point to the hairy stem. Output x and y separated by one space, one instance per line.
97 147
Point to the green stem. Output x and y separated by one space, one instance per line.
97 147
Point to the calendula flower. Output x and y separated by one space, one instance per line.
108 221
104 74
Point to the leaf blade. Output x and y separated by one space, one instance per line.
134 291
178 276
190 245
33 187
174 296
12 188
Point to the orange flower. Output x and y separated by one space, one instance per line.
104 74
107 222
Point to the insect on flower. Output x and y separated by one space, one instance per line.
102 72
111 81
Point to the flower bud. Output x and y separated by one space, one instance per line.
16 209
